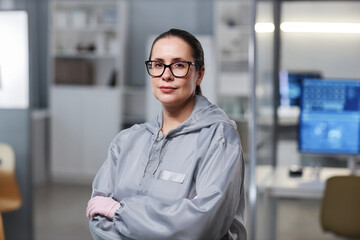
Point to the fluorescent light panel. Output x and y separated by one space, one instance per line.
320 27
264 27
310 27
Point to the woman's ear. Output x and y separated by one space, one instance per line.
200 76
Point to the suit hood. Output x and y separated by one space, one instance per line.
203 115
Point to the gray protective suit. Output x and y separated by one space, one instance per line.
188 184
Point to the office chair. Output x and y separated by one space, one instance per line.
10 198
340 211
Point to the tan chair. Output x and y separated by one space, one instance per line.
340 211
10 198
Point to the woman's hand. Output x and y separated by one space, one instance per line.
104 206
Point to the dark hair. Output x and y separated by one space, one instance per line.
197 50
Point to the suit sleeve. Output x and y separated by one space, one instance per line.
101 227
219 186
103 181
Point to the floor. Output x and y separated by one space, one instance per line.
299 220
59 213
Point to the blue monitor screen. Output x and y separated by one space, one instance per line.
290 86
330 116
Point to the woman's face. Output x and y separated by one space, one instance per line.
169 90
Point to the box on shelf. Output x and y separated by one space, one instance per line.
74 71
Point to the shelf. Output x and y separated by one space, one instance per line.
95 29
85 56
68 87
92 3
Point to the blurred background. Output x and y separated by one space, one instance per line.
72 75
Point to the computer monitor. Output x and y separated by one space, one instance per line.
290 86
330 116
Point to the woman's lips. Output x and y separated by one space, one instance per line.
167 89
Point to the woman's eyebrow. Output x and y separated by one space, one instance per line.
158 59
178 59
172 60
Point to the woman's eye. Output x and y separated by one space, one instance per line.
179 65
158 65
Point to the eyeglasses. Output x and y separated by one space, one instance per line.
178 69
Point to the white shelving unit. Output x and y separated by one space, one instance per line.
232 30
91 33
87 49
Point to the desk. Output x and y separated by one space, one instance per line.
276 183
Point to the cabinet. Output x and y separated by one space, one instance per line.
83 123
87 49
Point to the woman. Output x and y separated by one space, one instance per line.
181 175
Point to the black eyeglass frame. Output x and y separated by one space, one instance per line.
168 66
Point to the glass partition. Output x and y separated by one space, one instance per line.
264 120
264 82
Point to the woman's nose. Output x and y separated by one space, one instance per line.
167 75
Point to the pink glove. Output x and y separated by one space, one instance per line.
104 206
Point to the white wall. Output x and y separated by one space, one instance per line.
335 55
